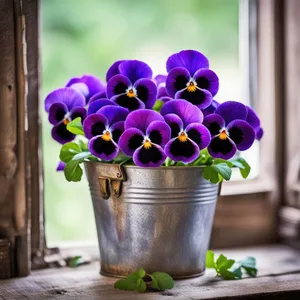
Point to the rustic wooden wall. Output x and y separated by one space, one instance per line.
20 164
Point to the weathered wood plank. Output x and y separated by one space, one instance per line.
279 277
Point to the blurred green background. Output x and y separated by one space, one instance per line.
88 36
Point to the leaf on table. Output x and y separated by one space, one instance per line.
210 259
133 282
161 281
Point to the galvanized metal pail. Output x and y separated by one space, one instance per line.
156 218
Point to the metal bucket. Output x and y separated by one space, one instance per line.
156 218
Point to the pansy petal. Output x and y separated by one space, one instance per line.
221 148
117 85
61 134
211 108
186 111
130 103
207 80
259 133
135 70
165 99
94 125
186 151
61 166
117 129
199 134
190 59
98 96
81 87
214 123
252 119
162 91
141 119
66 95
200 98
159 133
175 124
114 113
241 133
57 112
113 70
95 85
160 79
232 110
78 112
177 80
146 91
130 140
97 104
105 150
151 157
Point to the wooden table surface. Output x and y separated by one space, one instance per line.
278 277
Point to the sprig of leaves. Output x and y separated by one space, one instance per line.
230 269
135 281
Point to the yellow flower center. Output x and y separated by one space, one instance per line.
66 121
223 135
191 87
131 93
147 144
106 136
182 137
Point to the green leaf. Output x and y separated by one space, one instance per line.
158 105
83 146
133 282
75 261
242 165
75 126
73 171
161 281
81 156
203 159
210 259
248 264
223 161
68 151
237 272
223 169
224 262
226 274
211 174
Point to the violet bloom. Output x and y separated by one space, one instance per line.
64 105
254 121
161 88
188 135
97 96
61 166
104 129
144 138
88 85
211 109
229 130
132 87
99 103
190 78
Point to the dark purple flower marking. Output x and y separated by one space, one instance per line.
229 130
103 129
188 135
132 87
254 121
144 138
189 78
63 106
88 85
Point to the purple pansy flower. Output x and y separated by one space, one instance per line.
61 166
88 85
188 135
161 86
190 78
211 108
99 103
64 105
132 87
97 96
254 121
229 130
104 129
144 138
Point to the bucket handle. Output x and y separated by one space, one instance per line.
110 180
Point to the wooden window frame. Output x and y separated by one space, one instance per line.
247 210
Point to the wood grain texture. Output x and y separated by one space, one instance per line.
279 277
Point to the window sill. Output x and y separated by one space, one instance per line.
279 277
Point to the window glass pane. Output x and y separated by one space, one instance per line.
88 36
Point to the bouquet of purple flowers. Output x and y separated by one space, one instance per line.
167 120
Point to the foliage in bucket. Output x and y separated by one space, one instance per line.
169 120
